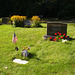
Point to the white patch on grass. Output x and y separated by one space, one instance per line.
64 40
19 61
6 67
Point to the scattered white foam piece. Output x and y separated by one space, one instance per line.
6 67
19 61
64 40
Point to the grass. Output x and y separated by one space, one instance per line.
46 57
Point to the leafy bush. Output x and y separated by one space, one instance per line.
36 21
6 20
18 21
0 20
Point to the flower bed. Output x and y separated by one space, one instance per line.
58 37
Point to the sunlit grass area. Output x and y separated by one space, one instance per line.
46 57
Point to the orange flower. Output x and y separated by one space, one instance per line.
22 46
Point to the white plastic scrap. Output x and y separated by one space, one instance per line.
64 40
19 61
6 67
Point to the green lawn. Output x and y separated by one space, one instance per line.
46 57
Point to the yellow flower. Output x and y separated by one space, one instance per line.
17 17
35 18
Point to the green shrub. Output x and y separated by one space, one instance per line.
18 21
36 21
0 20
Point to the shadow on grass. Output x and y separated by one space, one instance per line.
39 26
71 39
32 55
0 23
34 27
13 58
30 27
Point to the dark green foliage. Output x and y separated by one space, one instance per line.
68 12
62 9
19 23
0 21
6 20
